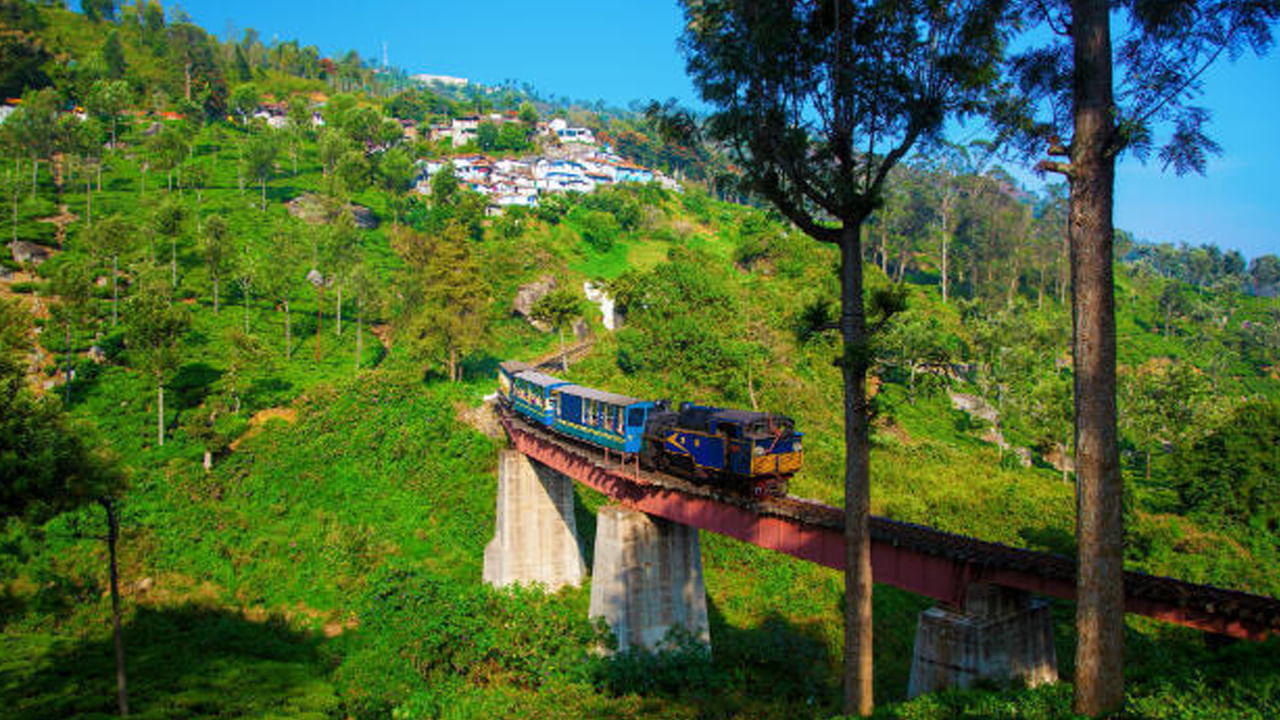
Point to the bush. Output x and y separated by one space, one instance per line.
598 228
424 639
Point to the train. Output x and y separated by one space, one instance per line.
743 451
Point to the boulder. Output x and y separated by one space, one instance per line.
97 355
528 295
29 252
975 406
311 208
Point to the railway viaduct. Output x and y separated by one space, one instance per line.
990 621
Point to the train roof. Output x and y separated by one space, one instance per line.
514 366
539 379
601 396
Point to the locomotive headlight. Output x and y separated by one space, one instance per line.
759 450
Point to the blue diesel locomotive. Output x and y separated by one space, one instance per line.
744 450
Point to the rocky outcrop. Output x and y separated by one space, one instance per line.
528 295
311 208
598 296
28 252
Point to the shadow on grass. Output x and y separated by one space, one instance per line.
182 662
192 382
1049 539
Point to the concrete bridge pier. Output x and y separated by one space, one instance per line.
1002 635
647 578
535 536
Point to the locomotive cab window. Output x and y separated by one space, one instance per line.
635 418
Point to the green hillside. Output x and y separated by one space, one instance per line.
327 563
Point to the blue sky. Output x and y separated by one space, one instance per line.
624 50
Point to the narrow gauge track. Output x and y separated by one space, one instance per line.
915 557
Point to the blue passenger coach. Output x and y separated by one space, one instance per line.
529 392
603 418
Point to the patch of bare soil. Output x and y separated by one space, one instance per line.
260 418
383 333
483 418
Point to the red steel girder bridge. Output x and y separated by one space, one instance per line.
915 558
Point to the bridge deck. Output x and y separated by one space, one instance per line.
913 557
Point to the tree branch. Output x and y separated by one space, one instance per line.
1063 168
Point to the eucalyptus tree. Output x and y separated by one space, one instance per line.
395 171
215 245
339 253
168 149
280 273
368 295
168 221
333 145
73 285
34 127
112 237
247 270
817 102
1089 115
108 100
259 160
446 296
153 328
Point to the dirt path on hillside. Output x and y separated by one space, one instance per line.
38 309
60 222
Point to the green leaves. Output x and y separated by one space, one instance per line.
154 325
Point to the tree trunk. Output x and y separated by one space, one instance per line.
160 413
66 386
246 312
113 536
173 259
453 363
564 359
215 293
946 246
16 182
858 690
338 330
115 289
1099 682
208 460
319 318
35 175
359 332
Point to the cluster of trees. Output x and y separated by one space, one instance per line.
1207 266
819 103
